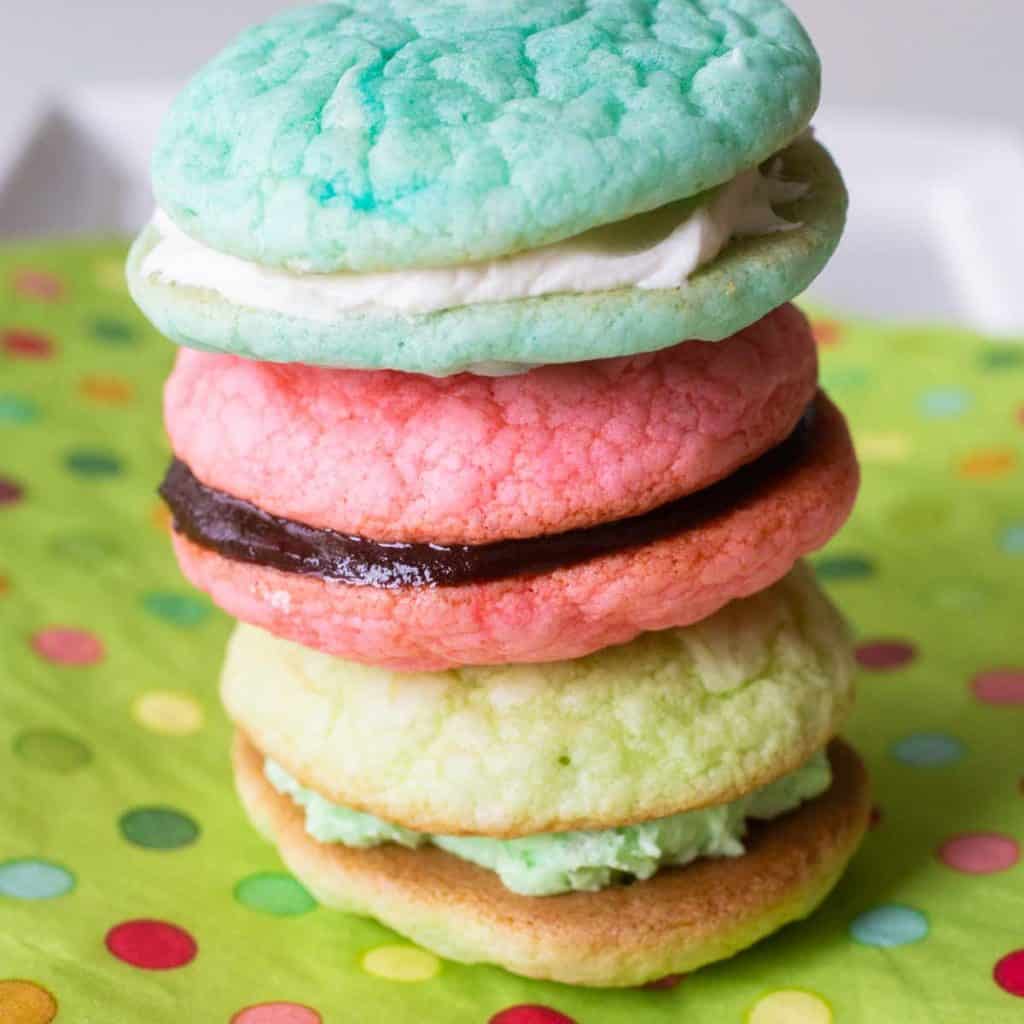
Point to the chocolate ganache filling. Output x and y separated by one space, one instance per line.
243 532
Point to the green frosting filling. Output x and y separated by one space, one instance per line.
549 863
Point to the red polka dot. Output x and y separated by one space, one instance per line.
1009 973
10 492
881 655
151 945
21 344
530 1014
669 981
999 686
875 818
277 1013
979 853
38 284
65 646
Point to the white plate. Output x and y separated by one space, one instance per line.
936 226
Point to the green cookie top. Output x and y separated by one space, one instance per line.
391 133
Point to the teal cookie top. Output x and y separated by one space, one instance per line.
397 133
751 277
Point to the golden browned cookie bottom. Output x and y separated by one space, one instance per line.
677 921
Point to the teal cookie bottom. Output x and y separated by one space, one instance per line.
749 279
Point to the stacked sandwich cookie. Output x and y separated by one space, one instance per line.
495 428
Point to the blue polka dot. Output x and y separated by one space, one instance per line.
111 331
176 609
1012 539
33 879
15 409
945 402
844 567
891 924
926 749
94 463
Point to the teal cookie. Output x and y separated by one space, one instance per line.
751 277
381 134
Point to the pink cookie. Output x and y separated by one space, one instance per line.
567 612
468 459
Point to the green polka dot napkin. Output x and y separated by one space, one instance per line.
132 889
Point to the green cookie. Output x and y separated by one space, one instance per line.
396 133
749 278
671 722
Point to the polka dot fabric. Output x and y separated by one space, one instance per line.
124 854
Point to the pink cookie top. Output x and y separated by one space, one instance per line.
395 456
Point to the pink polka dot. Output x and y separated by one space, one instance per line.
979 853
277 1013
38 284
65 646
1009 973
20 344
530 1014
999 686
151 945
668 982
881 655
10 491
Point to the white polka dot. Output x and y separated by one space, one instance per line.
169 713
790 1006
401 963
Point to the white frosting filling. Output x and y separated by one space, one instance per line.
659 249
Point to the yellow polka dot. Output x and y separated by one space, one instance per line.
401 963
790 1006
884 447
172 714
161 517
110 275
988 463
24 1002
108 390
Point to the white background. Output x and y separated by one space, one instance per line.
949 57
924 110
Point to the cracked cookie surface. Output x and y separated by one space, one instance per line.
467 460
388 133
670 722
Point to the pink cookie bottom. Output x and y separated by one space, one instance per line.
466 460
562 614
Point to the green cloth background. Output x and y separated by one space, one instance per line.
932 564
